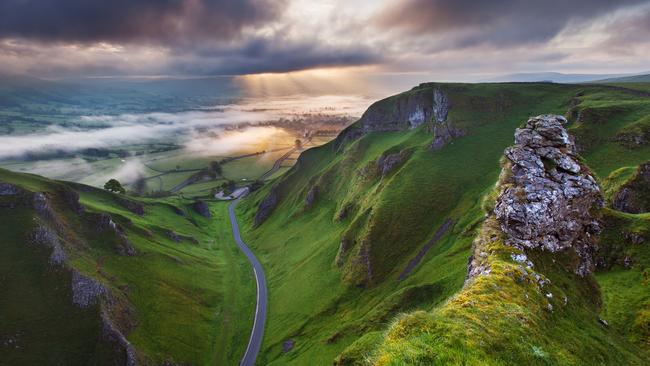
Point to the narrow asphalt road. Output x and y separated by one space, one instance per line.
257 333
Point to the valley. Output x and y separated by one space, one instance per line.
364 242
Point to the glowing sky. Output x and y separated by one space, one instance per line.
438 39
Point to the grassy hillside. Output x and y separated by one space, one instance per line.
338 245
186 295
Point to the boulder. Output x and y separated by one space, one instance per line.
547 196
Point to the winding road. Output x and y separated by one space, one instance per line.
257 333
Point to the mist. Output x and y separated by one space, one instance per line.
186 128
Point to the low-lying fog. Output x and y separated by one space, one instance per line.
222 130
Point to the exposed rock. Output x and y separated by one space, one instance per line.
635 238
288 345
135 207
634 196
71 199
104 222
443 131
46 237
386 163
344 212
178 211
7 189
41 205
126 354
267 206
86 291
344 247
443 134
401 112
441 106
202 208
311 196
547 195
173 236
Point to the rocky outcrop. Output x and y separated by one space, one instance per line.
424 104
443 130
547 195
312 194
401 112
86 291
386 163
634 196
104 222
267 206
71 199
7 189
202 208
46 237
443 134
125 352
134 207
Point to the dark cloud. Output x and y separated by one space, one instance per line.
153 21
462 23
270 55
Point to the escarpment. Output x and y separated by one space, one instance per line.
530 273
50 240
424 105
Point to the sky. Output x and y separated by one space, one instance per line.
459 40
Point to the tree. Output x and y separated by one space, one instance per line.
114 186
298 144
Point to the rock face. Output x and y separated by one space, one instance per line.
267 206
46 237
202 208
7 189
634 196
85 290
311 196
546 194
104 222
408 110
386 163
443 131
426 103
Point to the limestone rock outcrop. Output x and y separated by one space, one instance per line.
634 196
547 195
267 206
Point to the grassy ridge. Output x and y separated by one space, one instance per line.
192 301
324 308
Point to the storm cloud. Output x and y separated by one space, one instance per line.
443 39
466 23
158 21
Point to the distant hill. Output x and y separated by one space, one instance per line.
628 79
553 77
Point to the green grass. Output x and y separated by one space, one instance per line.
392 217
193 302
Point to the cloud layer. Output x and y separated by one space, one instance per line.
444 39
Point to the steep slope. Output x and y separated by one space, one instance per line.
90 277
381 220
530 296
